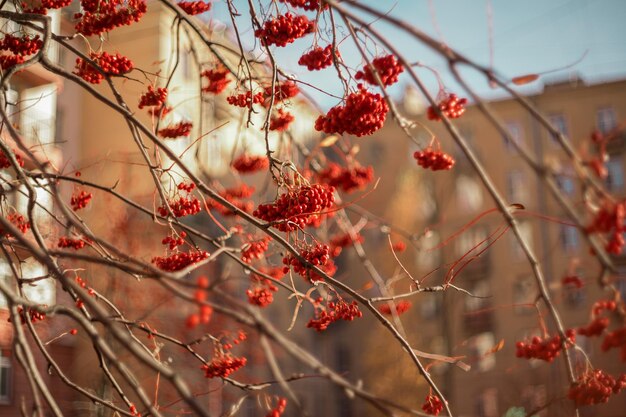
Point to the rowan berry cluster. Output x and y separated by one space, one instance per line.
595 328
545 349
18 221
573 280
284 29
176 130
318 58
434 160
248 164
308 5
245 99
45 5
615 339
8 61
68 242
595 387
280 406
179 260
181 207
317 255
33 314
337 243
282 91
333 312
281 121
21 45
261 296
432 405
362 114
173 242
223 366
217 78
400 307
112 65
186 186
610 220
346 179
398 246
103 16
255 249
194 7
296 208
153 98
387 67
450 106
133 410
6 163
80 200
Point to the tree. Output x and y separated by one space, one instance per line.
165 257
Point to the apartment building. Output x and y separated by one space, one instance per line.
426 208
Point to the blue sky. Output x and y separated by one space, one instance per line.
530 36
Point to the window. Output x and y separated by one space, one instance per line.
524 294
606 119
480 347
566 184
471 239
615 178
430 306
568 236
516 186
515 134
469 193
559 122
5 376
487 403
574 297
479 299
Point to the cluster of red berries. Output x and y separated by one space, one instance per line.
176 130
333 312
6 163
297 207
153 98
223 366
133 410
434 160
317 255
45 5
329 269
245 99
280 406
68 242
450 106
9 61
181 207
186 186
603 305
400 307
247 164
281 121
80 200
318 58
346 179
174 242
33 314
284 29
179 260
308 5
615 339
595 387
205 311
112 65
610 220
103 16
194 7
18 221
261 296
21 45
339 242
595 328
398 246
573 280
255 249
545 349
362 114
387 67
432 405
217 78
282 91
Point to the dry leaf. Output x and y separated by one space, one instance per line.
329 141
524 79
498 347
